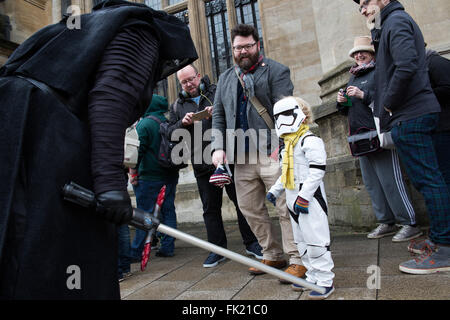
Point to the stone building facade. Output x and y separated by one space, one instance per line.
312 37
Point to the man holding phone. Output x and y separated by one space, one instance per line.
193 111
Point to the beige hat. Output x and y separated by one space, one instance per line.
363 43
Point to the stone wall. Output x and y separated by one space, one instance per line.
289 32
27 16
338 22
313 38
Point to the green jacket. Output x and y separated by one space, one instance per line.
148 131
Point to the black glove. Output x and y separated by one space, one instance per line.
115 206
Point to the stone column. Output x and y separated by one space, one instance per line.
172 92
199 34
88 4
231 12
56 10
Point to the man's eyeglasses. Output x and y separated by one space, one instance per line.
247 47
191 79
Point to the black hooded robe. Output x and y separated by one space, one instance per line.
51 249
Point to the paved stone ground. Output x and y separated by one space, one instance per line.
182 277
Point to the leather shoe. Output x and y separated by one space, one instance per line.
297 270
279 264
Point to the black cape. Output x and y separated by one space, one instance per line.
51 249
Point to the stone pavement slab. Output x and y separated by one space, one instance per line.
364 269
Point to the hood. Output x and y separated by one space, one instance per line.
159 105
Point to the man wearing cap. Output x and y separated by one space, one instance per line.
380 170
407 106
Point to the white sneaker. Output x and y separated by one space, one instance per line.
383 230
407 233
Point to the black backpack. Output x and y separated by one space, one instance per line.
166 147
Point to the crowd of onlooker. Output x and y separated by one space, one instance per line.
260 148
396 102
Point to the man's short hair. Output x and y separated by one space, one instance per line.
189 65
244 30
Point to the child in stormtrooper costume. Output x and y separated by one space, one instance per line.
303 168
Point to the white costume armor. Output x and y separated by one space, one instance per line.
311 233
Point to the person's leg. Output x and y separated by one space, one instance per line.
211 197
269 171
414 145
247 234
169 218
374 187
316 234
124 250
146 193
388 170
251 195
441 142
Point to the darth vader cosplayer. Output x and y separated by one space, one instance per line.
66 97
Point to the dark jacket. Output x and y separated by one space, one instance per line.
179 109
272 82
68 60
439 71
150 140
359 114
401 76
44 144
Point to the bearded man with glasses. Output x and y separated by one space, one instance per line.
243 105
198 95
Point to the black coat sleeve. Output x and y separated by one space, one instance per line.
405 59
127 65
439 71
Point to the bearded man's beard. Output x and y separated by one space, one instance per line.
246 64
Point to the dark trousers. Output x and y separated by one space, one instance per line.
211 197
441 142
413 139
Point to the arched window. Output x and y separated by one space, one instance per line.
219 36
154 4
171 2
247 12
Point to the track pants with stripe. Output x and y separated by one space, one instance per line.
383 180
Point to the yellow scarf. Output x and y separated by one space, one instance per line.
290 140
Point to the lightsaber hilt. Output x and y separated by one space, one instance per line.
144 220
86 198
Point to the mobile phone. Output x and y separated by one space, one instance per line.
200 115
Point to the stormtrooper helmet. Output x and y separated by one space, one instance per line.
288 116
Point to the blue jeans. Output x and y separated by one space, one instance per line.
146 193
124 249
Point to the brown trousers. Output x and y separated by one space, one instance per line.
252 181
